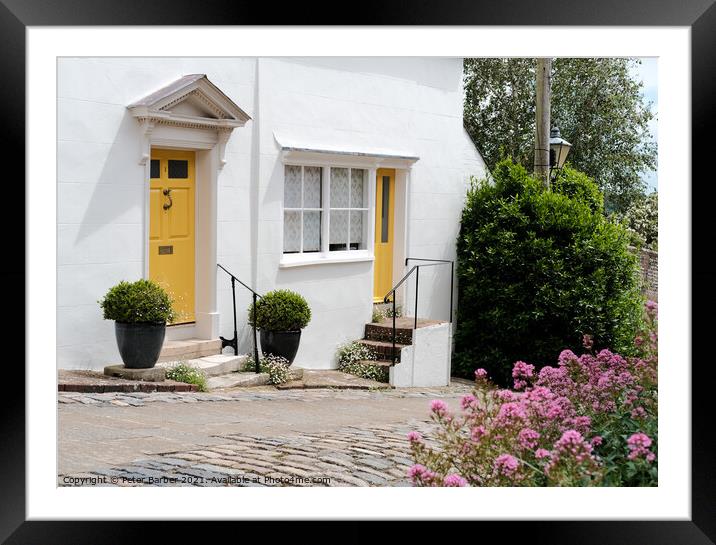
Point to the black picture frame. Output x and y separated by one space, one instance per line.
699 15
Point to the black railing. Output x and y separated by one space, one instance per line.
234 343
416 269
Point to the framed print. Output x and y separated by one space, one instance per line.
279 221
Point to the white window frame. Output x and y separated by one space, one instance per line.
349 209
303 209
306 155
325 255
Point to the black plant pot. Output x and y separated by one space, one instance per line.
139 344
280 343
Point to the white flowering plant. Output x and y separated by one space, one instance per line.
354 358
183 372
276 367
641 219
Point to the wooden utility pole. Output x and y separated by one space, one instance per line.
544 69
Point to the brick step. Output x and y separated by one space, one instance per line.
189 349
384 349
383 331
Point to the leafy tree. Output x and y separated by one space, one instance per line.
596 103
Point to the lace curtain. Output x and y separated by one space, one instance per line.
302 203
303 208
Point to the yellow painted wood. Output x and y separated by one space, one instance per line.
383 265
173 227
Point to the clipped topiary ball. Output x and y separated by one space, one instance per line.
280 310
143 301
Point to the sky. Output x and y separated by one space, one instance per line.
647 73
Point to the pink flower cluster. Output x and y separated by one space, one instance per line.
468 401
571 451
522 373
639 444
454 480
439 407
420 474
506 464
593 383
549 430
527 438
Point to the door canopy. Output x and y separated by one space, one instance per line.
190 102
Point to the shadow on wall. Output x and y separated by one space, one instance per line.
120 187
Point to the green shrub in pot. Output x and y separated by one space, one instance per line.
140 311
280 315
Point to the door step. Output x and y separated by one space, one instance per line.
404 326
212 366
189 349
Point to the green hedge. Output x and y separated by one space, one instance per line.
142 301
537 270
280 310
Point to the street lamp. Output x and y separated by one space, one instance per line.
558 150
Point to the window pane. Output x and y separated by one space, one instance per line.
358 220
357 184
292 187
178 168
339 188
339 228
311 231
311 187
154 169
291 232
385 210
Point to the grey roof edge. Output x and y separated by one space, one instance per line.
352 153
169 89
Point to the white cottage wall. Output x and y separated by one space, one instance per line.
408 103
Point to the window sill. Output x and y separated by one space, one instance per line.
300 260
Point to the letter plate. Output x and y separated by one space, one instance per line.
165 250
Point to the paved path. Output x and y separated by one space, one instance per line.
251 437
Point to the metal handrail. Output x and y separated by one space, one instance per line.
234 343
416 269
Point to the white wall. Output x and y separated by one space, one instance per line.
408 103
425 363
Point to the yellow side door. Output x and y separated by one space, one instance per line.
171 230
383 249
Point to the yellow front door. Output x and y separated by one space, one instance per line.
171 227
384 207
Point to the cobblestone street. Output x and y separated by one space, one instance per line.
250 437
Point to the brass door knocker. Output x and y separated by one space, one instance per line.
167 193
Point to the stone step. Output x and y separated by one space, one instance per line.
189 349
291 385
212 366
384 349
383 330
333 379
380 363
247 379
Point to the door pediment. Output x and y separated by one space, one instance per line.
191 101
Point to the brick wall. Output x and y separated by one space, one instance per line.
649 265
